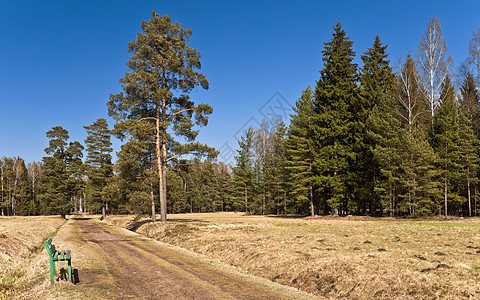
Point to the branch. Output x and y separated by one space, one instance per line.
168 159
147 118
179 112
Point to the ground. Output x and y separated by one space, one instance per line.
349 257
336 257
113 263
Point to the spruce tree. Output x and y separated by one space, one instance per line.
469 157
383 133
446 142
300 152
334 122
469 135
376 81
244 166
471 102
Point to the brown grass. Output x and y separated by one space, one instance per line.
357 258
20 239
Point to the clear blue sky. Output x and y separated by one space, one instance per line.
60 60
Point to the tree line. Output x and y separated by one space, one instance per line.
365 140
370 141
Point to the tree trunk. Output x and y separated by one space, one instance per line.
446 152
152 197
246 201
468 195
312 208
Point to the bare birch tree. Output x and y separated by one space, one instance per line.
474 55
433 63
34 172
408 92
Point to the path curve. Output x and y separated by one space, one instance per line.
141 268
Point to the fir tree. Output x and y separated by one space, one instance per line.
383 131
300 152
376 81
334 121
244 166
446 142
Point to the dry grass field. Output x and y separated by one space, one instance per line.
20 239
351 257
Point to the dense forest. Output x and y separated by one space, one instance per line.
376 139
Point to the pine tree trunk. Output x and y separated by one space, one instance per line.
159 160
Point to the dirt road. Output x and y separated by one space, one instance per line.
126 265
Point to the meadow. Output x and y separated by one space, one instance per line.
333 257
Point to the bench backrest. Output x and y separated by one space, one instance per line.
50 247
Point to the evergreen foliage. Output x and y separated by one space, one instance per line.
335 121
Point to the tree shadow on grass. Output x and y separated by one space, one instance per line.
287 216
134 225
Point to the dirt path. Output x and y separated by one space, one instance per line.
133 266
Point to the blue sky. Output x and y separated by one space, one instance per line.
60 60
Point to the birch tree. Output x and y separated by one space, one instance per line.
474 54
433 63
161 74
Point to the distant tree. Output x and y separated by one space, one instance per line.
474 53
62 178
244 165
161 74
177 200
34 173
98 163
334 127
22 197
433 62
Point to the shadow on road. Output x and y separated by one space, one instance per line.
63 275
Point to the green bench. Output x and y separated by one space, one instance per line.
56 255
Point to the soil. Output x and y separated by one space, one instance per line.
125 265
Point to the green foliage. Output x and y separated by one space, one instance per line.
446 142
62 179
335 121
162 71
376 82
244 168
98 164
300 153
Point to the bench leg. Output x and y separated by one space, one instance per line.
52 270
70 269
